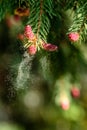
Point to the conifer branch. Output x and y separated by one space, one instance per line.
40 14
79 19
39 21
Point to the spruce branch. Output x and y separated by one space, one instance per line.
79 20
39 21
40 14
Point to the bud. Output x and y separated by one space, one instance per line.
20 37
12 21
28 28
32 49
49 47
29 33
74 36
21 11
17 18
75 92
65 103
